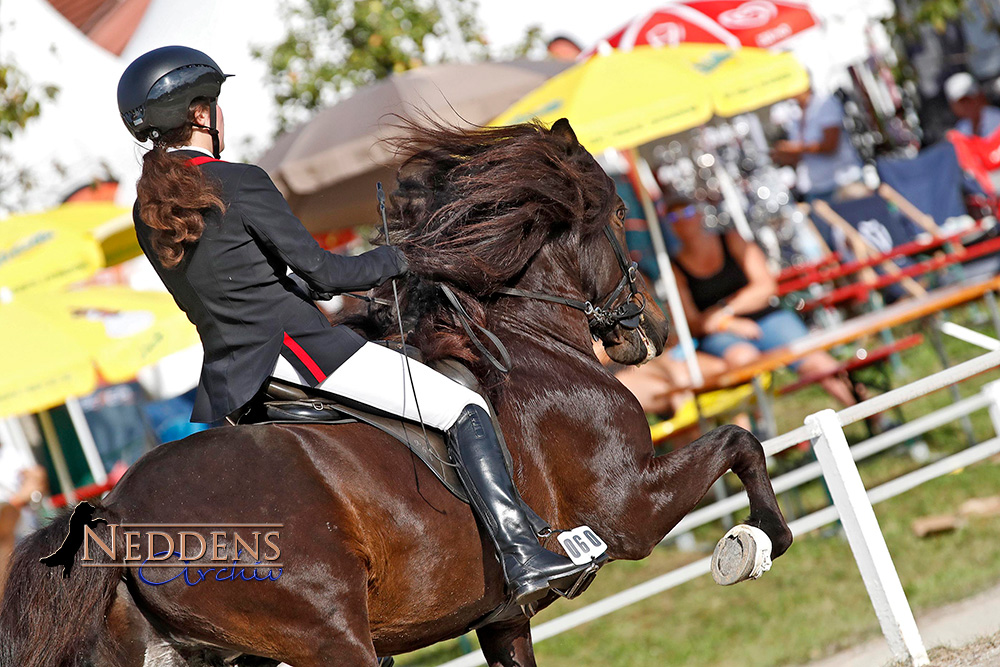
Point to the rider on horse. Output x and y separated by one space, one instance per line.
222 238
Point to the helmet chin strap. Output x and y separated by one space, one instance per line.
211 129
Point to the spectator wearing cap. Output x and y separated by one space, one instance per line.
563 48
976 117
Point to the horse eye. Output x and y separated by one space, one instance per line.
621 213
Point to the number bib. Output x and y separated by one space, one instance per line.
582 544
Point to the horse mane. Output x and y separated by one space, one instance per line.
471 209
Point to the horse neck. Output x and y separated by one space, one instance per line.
581 444
580 437
563 329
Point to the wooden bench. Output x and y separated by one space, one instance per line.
862 359
797 271
844 270
861 290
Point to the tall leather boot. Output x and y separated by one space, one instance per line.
529 569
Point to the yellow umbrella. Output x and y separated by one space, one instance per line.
623 99
42 361
58 344
126 330
57 247
627 98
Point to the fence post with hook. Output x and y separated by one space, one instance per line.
865 537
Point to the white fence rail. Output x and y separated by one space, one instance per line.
852 503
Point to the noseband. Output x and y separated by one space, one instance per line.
603 318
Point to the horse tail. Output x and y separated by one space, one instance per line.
46 619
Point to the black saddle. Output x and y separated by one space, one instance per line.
284 403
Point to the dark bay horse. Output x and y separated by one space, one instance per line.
377 557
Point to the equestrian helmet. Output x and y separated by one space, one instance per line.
156 90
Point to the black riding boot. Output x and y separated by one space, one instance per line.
529 569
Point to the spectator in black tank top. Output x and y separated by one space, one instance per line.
730 298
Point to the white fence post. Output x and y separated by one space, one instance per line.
992 390
86 437
865 537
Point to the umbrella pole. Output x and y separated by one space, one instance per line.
729 193
667 284
87 443
11 428
56 453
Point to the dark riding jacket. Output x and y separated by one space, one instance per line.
233 285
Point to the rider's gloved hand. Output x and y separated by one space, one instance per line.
321 296
402 264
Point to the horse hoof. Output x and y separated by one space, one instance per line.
744 553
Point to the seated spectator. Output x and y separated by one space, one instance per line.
976 117
827 165
663 385
729 298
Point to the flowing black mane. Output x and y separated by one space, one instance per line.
471 209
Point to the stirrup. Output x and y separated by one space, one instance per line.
583 580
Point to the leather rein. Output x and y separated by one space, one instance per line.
606 317
600 318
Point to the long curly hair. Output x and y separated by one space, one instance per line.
173 195
471 209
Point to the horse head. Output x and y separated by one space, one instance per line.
629 323
514 211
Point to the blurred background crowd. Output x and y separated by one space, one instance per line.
790 168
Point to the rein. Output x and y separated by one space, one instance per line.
600 318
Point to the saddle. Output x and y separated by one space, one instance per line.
285 403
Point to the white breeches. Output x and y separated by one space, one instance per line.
376 376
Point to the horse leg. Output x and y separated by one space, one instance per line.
335 654
339 633
685 475
508 643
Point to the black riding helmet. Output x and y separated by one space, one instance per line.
156 91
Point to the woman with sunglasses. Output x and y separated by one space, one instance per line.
730 298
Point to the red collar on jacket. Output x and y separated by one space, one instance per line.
201 159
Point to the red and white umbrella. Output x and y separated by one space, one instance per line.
734 23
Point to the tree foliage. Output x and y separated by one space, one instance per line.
20 101
335 46
935 13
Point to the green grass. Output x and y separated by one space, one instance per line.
812 603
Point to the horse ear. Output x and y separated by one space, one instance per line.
561 128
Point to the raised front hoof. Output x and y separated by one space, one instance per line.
744 553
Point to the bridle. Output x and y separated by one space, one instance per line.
601 319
